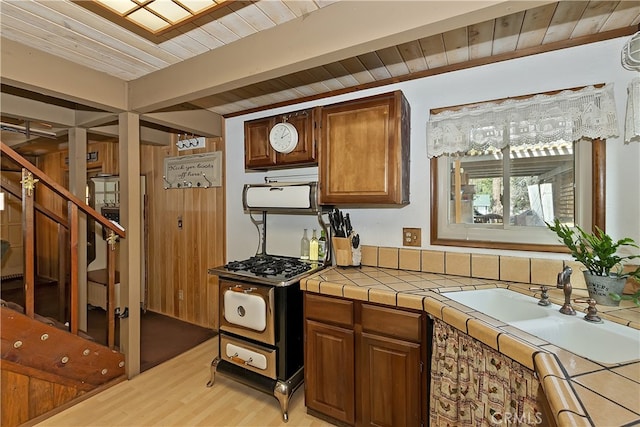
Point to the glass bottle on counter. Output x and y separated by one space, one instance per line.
304 246
313 246
322 245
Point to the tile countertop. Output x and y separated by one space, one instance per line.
580 392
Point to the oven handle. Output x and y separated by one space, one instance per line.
239 288
240 360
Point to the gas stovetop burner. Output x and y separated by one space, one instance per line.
269 269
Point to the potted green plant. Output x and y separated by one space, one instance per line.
598 252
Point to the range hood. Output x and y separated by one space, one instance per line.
299 197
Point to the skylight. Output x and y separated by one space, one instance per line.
157 16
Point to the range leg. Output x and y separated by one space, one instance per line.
282 392
214 366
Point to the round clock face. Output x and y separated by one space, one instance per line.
283 137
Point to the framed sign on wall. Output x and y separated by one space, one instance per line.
194 171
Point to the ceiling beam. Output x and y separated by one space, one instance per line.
30 110
329 34
200 122
147 135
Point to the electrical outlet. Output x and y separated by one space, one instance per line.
180 295
412 237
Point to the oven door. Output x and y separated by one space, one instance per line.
247 310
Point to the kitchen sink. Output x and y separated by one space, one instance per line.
606 342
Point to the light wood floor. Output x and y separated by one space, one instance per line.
175 394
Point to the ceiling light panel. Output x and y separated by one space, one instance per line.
148 20
169 10
197 6
158 16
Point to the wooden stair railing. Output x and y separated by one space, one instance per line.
30 176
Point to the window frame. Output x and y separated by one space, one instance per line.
587 216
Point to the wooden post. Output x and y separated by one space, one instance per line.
111 289
73 251
28 236
62 272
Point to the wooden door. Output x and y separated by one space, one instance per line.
257 150
305 151
329 371
364 151
390 381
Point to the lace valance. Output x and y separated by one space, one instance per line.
541 119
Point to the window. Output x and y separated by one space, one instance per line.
501 173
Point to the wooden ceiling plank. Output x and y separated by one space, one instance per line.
456 45
433 49
623 16
200 34
24 39
593 18
481 39
252 14
506 33
357 70
535 24
322 75
564 20
84 22
44 31
374 65
411 53
277 11
337 70
392 61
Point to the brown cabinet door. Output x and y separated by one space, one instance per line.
390 382
329 381
258 153
257 150
305 151
364 151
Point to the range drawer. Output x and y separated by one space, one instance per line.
329 310
261 360
392 322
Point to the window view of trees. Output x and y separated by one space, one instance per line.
525 187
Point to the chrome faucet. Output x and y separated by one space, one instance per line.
564 283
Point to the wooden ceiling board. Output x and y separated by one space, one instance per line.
593 18
456 45
411 53
481 39
374 66
564 21
507 32
392 61
356 68
434 51
625 15
535 24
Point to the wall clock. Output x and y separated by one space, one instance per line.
283 137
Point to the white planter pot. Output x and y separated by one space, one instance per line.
599 288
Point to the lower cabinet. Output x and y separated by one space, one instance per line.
364 363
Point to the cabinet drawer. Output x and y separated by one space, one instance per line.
392 322
327 309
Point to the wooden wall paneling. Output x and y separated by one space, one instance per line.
14 408
178 259
40 397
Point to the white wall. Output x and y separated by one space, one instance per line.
579 66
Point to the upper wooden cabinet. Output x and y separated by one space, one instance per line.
364 151
258 153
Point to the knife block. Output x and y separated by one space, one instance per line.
343 250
